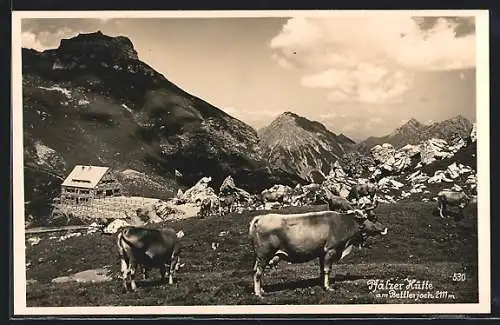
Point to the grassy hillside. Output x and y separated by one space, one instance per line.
419 245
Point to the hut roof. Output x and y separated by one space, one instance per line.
85 176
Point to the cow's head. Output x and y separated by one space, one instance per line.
369 210
369 224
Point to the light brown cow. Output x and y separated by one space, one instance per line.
298 238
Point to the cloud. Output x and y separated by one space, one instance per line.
371 59
282 62
46 33
29 40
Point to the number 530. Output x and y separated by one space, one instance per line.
458 277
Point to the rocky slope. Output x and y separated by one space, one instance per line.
302 147
92 101
413 132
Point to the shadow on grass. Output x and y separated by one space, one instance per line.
148 283
308 283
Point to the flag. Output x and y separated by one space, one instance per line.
178 173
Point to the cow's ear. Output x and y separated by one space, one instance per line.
359 214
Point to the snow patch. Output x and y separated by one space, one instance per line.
64 91
127 108
43 153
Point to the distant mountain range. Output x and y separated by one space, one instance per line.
92 101
301 146
413 132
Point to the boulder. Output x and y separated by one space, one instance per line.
383 154
401 161
417 177
453 171
92 276
227 185
434 149
87 276
34 240
411 150
114 226
439 176
199 191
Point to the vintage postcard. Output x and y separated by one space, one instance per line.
205 162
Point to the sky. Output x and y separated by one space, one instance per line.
361 76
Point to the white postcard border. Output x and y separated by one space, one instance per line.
482 113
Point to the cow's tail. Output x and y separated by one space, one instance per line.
122 239
253 225
119 243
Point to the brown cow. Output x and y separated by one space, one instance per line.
299 238
360 190
448 197
149 248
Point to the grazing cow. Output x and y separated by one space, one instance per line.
360 190
299 238
205 208
340 204
447 197
149 248
226 203
335 203
278 193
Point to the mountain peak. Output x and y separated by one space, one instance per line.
300 146
289 113
459 117
97 42
413 122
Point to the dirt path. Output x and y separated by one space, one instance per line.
39 230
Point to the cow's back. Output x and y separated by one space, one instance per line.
151 246
298 234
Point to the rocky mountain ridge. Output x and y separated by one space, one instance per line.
414 132
300 146
92 101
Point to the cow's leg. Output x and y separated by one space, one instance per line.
258 269
132 269
124 269
145 274
163 270
177 264
171 270
442 207
321 269
327 267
